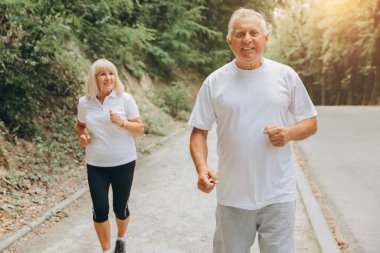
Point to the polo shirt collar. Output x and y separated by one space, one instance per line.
112 94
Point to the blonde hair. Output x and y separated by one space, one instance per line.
91 87
243 12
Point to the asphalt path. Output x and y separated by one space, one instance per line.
168 213
343 164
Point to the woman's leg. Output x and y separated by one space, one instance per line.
99 182
104 234
121 182
122 226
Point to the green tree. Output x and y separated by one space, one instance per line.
30 38
177 25
332 45
109 29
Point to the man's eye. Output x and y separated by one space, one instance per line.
239 35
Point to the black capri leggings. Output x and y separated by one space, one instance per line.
99 181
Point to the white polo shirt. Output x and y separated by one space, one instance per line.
251 172
110 144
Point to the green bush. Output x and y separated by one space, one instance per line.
179 35
31 36
172 99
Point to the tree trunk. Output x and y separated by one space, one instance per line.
350 95
366 92
338 83
337 98
323 90
375 95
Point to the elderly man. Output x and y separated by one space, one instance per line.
249 99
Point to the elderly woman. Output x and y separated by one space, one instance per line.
108 118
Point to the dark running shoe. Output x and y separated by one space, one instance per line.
120 246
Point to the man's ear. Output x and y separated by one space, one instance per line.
228 41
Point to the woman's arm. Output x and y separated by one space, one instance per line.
84 136
134 126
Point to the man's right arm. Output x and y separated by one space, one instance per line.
207 178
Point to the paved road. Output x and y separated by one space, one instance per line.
168 213
343 160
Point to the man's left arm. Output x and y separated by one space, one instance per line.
279 136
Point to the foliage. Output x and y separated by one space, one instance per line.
332 44
108 29
156 122
172 99
177 25
29 41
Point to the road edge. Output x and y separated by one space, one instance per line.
321 229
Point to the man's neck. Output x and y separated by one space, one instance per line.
249 65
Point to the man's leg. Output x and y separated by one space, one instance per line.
235 230
276 228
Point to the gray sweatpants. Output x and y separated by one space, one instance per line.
236 229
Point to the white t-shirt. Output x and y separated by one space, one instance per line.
110 144
251 172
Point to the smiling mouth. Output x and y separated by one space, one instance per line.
247 48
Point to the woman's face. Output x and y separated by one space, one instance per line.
106 82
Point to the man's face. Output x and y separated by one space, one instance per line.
247 40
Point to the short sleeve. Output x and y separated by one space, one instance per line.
203 114
131 108
81 116
301 105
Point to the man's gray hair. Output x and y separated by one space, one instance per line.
243 12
